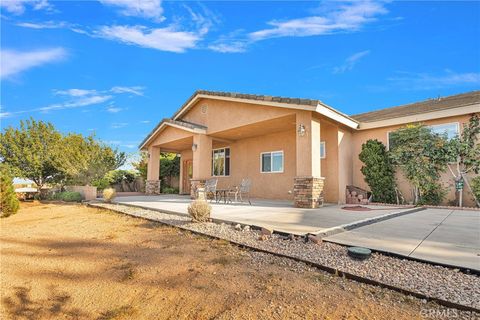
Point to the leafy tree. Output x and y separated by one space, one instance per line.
8 199
37 151
118 176
463 155
378 171
142 164
33 151
169 165
420 154
86 160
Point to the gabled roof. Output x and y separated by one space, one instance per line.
254 97
274 101
430 105
184 125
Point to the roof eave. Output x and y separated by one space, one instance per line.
162 126
333 114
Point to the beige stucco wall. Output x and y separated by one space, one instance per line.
223 115
360 137
245 163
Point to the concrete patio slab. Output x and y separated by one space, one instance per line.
450 237
275 214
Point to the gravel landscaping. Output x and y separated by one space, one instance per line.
432 281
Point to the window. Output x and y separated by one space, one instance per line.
271 161
221 162
451 130
323 151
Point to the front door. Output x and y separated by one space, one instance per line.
187 175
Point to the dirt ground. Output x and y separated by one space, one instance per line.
74 262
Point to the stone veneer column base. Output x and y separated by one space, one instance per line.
194 184
152 187
308 192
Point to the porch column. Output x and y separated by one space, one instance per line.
308 182
202 161
153 171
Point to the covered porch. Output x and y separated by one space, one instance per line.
281 156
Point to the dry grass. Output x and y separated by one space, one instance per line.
74 262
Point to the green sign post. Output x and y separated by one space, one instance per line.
459 184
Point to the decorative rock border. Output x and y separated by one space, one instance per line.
445 286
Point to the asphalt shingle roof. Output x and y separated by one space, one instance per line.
430 105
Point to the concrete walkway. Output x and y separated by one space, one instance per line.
450 237
275 214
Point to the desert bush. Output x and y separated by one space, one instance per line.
8 199
109 194
199 210
68 196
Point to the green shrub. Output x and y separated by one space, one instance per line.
101 183
378 171
476 187
8 198
109 194
117 176
199 210
170 190
68 196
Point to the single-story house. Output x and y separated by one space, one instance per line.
290 148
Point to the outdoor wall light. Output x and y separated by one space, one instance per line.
301 130
194 147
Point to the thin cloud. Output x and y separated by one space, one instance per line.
78 98
44 25
112 109
428 81
150 9
350 16
351 61
75 92
164 39
14 62
82 102
18 7
145 121
118 125
227 46
136 90
71 104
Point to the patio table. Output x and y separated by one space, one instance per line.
223 194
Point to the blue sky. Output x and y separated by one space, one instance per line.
117 67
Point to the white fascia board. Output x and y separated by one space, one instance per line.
475 108
337 116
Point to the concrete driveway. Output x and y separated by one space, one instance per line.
450 237
275 214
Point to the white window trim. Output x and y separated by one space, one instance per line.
324 150
457 124
271 161
230 157
388 140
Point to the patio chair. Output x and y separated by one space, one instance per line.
242 190
211 188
